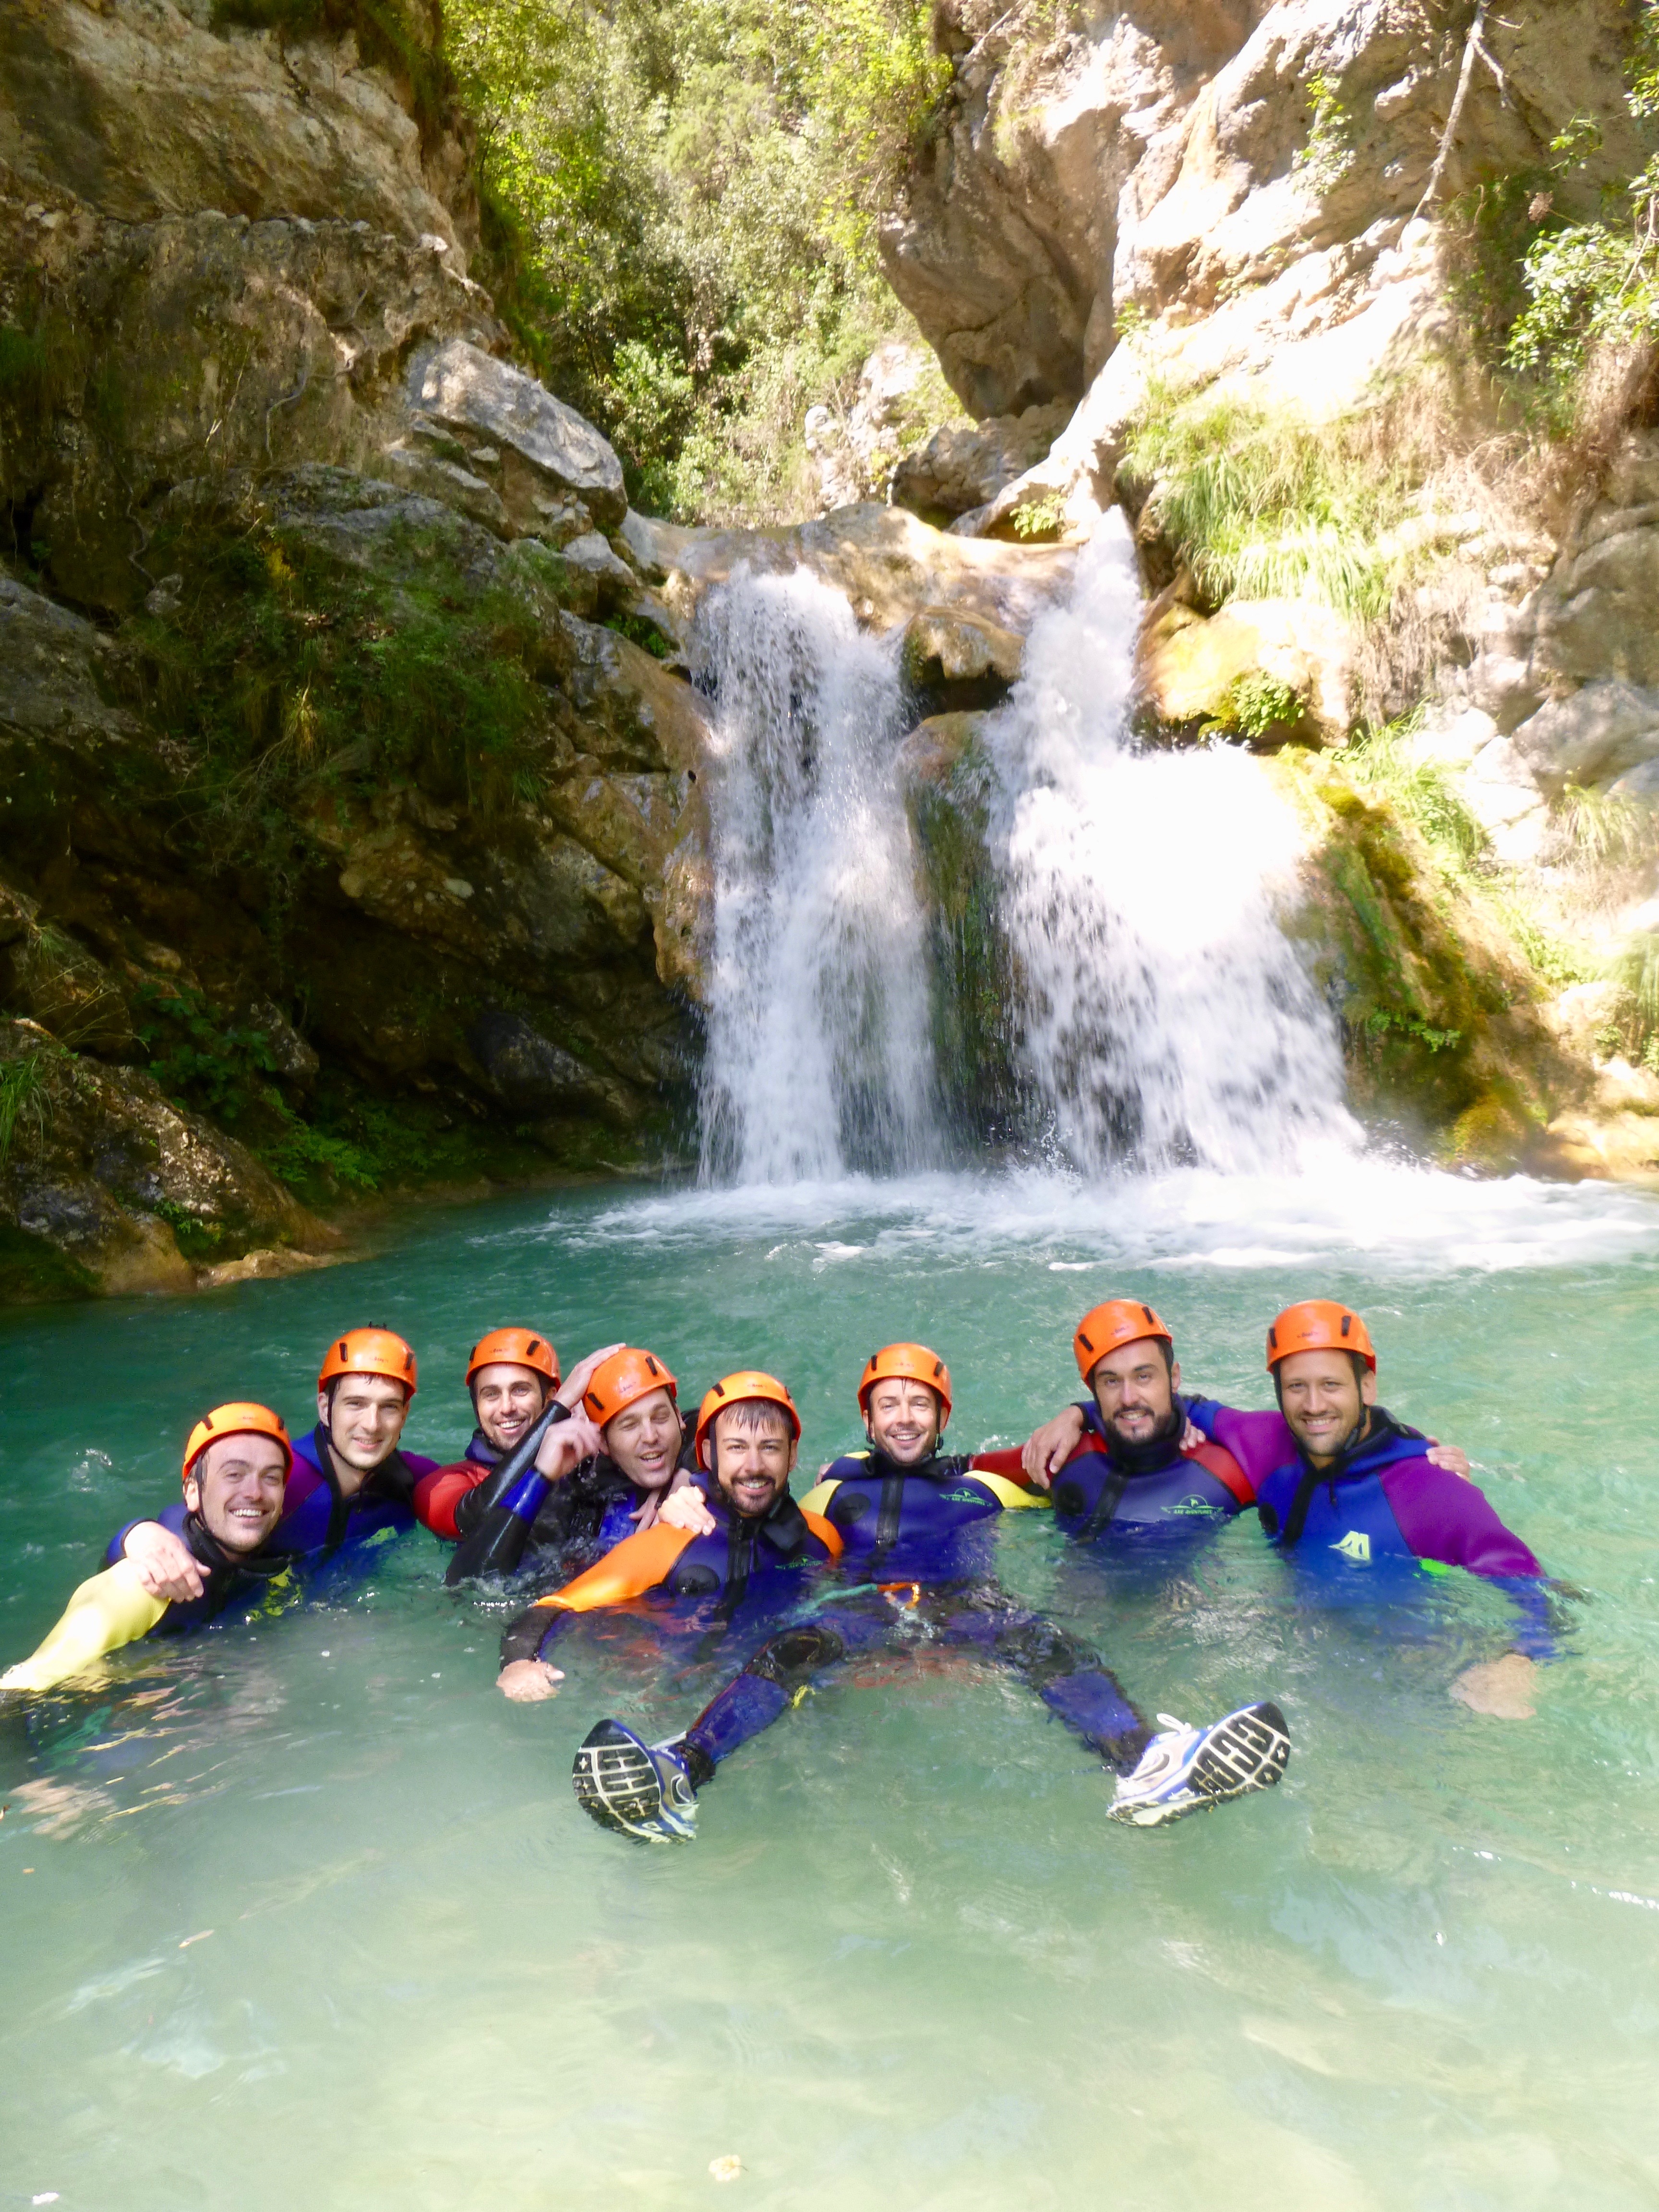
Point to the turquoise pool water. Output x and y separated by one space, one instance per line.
299 1912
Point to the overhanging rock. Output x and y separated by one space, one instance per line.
468 389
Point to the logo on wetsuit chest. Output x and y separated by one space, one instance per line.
1199 1509
1356 1545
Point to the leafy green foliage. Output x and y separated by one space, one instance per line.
288 673
687 196
221 1068
1326 156
1039 518
1265 507
1259 706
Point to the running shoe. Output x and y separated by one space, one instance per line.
638 1788
1186 1768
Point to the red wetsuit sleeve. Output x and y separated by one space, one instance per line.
438 1494
1005 1463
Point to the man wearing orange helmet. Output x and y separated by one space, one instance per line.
512 1378
236 1470
1344 1486
916 1525
1126 1463
755 1546
350 1479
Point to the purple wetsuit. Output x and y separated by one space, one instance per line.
1383 1501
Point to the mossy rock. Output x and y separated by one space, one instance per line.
1440 1011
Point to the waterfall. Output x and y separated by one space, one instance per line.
1167 1018
819 1054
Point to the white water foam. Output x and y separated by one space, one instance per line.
1337 1214
819 1051
1167 1018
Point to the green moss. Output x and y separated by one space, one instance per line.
973 979
1435 998
34 1273
291 673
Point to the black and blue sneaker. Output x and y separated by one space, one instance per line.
639 1789
1185 1769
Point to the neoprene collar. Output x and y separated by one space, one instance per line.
1380 1428
208 1552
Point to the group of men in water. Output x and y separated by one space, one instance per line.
598 1487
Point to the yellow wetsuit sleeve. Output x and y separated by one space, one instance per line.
111 1609
816 1500
1009 1493
638 1563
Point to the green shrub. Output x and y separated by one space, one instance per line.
22 1099
287 671
1262 505
682 203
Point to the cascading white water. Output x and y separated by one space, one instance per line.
1167 1018
819 1052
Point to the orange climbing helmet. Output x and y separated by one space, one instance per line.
515 1347
241 1418
1103 1329
907 1363
1319 1325
748 1383
369 1351
622 1380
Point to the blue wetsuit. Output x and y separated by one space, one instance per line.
316 1520
1381 1510
749 1572
1109 1489
917 1553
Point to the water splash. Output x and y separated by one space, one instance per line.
1168 1019
819 1054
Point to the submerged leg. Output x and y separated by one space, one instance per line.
775 1677
1071 1679
649 1791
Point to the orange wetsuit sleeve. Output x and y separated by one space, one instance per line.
638 1563
826 1533
438 1494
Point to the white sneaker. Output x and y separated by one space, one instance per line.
638 1788
1185 1769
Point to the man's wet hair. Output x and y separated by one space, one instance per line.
1163 1345
754 1414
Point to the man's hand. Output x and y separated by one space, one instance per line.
166 1567
569 1392
527 1682
1504 1688
1454 1462
688 1509
1050 1447
566 1444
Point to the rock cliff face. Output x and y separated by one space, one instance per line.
340 787
1244 175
